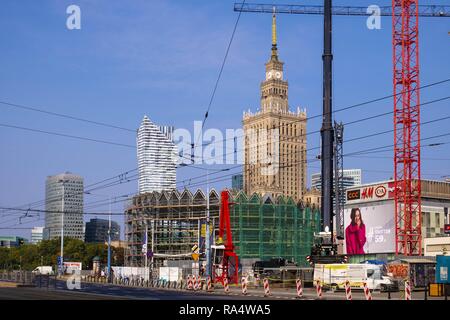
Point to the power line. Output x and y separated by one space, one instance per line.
21 106
336 110
220 72
224 177
68 135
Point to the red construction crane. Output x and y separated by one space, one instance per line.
226 263
405 43
405 40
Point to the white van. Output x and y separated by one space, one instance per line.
43 270
334 275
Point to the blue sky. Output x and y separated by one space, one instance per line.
161 58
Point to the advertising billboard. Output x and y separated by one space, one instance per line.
369 229
369 193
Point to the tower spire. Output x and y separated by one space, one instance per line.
274 35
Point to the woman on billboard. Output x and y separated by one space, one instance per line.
355 233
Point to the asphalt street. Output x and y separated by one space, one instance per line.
98 291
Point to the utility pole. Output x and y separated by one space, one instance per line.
146 245
61 268
327 127
339 191
207 237
109 242
153 248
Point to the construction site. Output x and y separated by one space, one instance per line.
262 227
170 228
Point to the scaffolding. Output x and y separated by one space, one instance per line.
273 228
262 227
174 223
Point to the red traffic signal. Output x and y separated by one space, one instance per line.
447 228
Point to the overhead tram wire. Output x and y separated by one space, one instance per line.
284 166
353 139
119 176
219 76
29 108
365 103
348 123
224 140
219 179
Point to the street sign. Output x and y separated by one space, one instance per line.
203 231
144 248
442 269
195 248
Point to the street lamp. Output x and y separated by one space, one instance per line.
207 231
109 229
61 266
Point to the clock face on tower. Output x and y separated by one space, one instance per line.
269 75
278 75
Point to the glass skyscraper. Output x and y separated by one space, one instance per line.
64 192
352 177
157 157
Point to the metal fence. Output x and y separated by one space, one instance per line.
20 277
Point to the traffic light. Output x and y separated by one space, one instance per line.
21 242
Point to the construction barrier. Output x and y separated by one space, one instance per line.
367 292
299 288
348 290
208 284
407 290
225 285
244 285
319 289
199 283
195 283
189 283
266 288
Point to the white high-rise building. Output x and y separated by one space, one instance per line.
64 193
352 177
157 157
37 235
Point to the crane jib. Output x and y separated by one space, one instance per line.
424 10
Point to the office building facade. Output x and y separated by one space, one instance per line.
352 177
97 231
37 235
64 194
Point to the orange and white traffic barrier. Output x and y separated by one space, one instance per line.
189 283
299 288
244 285
196 282
319 289
407 290
208 284
266 288
225 285
348 290
367 292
